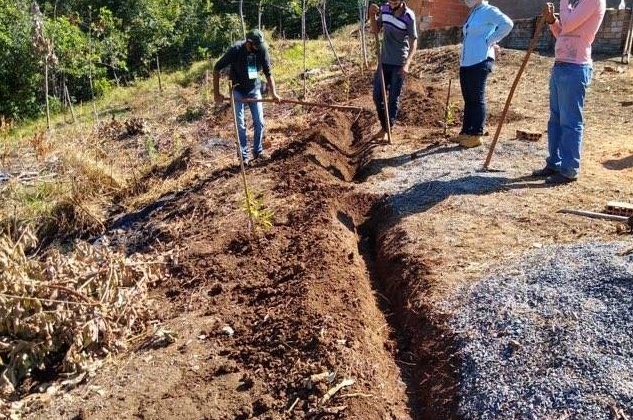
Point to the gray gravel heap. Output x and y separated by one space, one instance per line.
551 337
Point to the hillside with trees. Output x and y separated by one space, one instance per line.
75 51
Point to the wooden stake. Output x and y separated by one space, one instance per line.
626 52
447 109
594 215
539 28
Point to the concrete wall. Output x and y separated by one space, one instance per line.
520 9
609 39
433 14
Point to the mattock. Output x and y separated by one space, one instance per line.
383 87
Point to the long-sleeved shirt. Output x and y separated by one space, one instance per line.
244 66
484 27
576 29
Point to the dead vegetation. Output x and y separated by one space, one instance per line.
65 312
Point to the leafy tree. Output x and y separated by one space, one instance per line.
98 41
151 26
76 59
113 42
20 80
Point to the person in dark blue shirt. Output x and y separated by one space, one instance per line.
246 59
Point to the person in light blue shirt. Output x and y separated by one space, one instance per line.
485 26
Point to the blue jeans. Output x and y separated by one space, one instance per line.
257 112
567 89
472 80
393 86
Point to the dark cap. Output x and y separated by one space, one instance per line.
257 38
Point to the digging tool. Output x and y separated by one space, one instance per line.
604 216
292 101
626 52
447 110
537 33
383 87
242 168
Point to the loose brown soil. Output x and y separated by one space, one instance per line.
339 284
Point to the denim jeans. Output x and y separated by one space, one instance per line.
257 112
393 86
472 80
567 89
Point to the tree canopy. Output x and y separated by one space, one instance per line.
101 42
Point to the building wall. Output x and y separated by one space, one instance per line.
609 39
433 14
438 13
520 9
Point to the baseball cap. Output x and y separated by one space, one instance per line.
257 38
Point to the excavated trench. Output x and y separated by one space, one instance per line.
328 289
422 348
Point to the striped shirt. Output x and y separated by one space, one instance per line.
398 32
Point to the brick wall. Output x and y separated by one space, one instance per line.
447 13
523 32
612 34
609 39
431 38
438 13
521 9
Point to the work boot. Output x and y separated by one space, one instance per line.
559 179
458 138
470 141
261 156
544 173
380 136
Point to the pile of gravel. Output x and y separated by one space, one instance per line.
551 337
415 182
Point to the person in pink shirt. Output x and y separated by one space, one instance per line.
574 29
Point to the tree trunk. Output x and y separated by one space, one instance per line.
70 104
362 5
303 37
242 18
48 110
92 90
160 83
259 15
327 35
